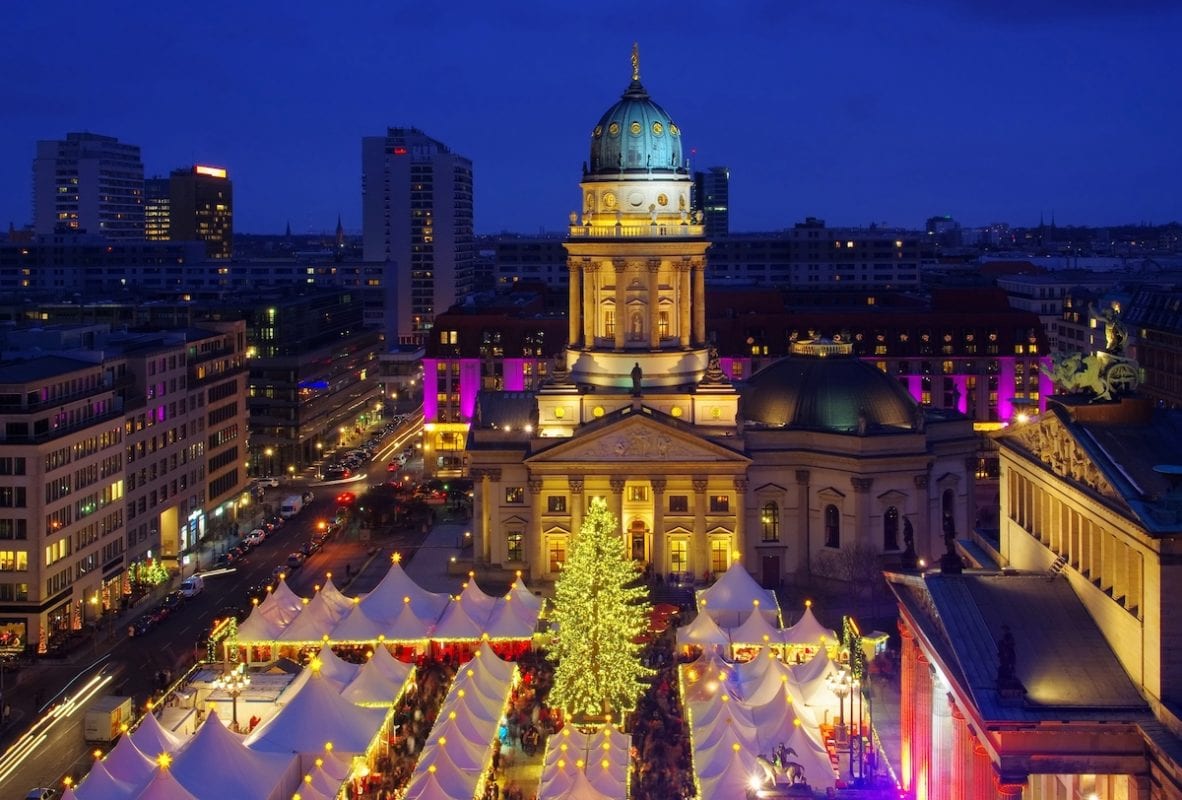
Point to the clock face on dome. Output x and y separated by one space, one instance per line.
598 131
674 130
635 128
658 129
613 129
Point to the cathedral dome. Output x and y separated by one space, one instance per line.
816 388
636 136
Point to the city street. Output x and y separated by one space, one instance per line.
43 738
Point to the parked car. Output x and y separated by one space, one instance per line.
255 537
175 599
270 481
41 794
192 586
141 625
295 560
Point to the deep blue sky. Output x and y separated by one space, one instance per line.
856 111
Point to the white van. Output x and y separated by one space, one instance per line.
192 586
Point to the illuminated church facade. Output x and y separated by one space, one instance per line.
812 461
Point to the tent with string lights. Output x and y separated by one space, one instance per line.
151 739
730 598
215 765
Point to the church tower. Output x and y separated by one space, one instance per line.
636 256
637 261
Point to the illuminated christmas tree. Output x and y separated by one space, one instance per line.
600 609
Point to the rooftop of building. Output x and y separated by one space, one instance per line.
1061 658
18 371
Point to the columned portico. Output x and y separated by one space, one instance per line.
621 310
537 542
575 307
684 273
654 303
617 500
699 268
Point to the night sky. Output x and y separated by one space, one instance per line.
856 111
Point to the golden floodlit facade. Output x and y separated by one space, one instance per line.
811 464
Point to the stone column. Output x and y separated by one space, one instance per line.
862 510
535 548
576 507
575 312
617 502
970 504
803 521
699 303
480 510
658 555
942 752
684 303
923 521
739 545
982 788
960 778
654 303
621 267
699 549
590 303
907 670
921 747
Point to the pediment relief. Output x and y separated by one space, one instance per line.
719 530
636 438
770 488
678 530
556 530
515 519
831 493
948 480
1052 443
893 497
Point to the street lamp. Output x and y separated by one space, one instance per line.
233 683
839 684
270 464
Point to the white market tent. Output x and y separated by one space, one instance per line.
151 739
703 631
730 598
128 763
374 685
163 786
315 715
809 631
215 765
385 600
99 784
604 755
397 611
756 631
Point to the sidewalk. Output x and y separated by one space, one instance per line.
429 566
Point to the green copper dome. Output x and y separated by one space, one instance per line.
834 394
636 136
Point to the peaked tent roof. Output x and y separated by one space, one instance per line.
394 670
818 769
756 630
357 626
733 595
731 781
283 602
702 631
456 753
340 603
459 621
810 679
521 592
384 602
315 715
373 686
317 620
581 788
215 765
99 784
512 618
261 625
809 630
128 763
163 786
431 786
151 738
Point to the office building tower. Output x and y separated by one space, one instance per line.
712 198
89 183
202 208
416 197
157 210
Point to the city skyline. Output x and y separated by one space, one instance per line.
984 111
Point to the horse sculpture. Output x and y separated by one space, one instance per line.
779 771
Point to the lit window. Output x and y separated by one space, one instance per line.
832 526
769 519
514 494
515 546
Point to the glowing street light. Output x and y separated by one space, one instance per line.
233 683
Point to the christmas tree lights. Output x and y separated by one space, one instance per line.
600 610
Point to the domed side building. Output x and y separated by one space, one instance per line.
813 463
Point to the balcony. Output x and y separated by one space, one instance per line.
675 231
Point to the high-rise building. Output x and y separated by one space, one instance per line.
712 198
89 183
202 208
157 210
416 198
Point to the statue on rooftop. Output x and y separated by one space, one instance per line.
637 377
1005 657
